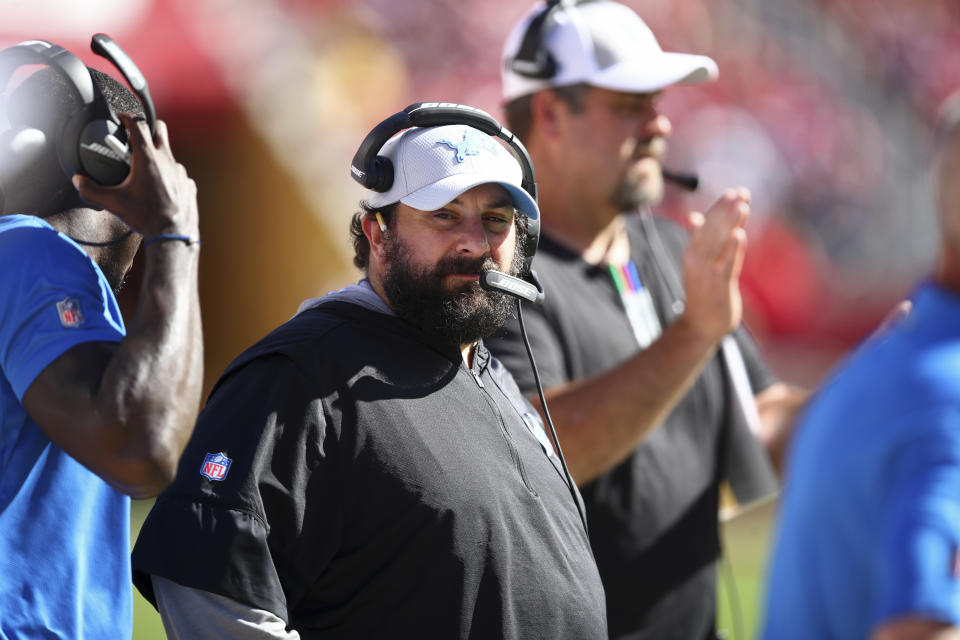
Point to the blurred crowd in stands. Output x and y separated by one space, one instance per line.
823 109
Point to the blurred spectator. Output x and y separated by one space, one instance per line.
870 518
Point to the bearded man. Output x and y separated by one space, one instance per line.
369 469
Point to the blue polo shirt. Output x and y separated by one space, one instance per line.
869 526
64 533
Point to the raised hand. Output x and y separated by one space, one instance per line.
712 263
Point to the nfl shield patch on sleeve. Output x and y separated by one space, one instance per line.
70 314
215 466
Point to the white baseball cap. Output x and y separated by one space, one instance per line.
432 166
603 44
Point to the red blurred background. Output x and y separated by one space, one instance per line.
823 108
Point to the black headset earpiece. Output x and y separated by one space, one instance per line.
376 172
532 58
91 142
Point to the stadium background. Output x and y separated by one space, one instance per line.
823 109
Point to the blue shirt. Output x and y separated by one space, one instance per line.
64 532
869 525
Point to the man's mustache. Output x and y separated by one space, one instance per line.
460 264
655 147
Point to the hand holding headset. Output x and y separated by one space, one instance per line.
91 141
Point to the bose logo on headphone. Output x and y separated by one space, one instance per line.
91 141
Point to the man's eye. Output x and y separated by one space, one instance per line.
633 110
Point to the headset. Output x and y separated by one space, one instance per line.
91 141
376 172
533 60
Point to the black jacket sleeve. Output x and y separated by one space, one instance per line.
237 536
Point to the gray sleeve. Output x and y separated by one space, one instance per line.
200 615
758 372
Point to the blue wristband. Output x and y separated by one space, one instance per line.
172 236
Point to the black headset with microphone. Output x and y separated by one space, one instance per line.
91 141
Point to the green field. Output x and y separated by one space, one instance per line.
741 580
146 620
746 538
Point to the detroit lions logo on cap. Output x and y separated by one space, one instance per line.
472 144
215 466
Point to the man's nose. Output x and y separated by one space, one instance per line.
658 126
473 238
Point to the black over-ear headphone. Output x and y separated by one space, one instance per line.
532 58
91 140
376 172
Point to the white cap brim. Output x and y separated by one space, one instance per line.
434 165
670 68
448 189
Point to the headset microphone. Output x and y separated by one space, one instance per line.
688 181
498 281
104 46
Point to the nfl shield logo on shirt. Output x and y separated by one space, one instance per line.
69 311
215 466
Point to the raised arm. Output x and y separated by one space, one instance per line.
600 420
126 410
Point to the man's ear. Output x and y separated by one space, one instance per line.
548 113
375 236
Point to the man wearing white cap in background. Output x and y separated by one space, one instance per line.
628 341
368 470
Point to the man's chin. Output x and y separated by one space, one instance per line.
455 285
640 193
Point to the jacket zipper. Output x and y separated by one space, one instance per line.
514 453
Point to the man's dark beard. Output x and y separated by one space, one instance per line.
456 318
